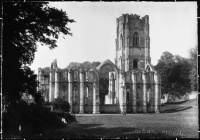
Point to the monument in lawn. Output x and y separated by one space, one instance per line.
134 84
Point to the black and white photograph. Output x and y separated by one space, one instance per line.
99 70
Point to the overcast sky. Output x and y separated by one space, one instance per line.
173 28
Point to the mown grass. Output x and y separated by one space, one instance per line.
175 121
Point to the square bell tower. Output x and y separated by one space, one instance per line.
132 42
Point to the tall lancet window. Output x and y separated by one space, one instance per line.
75 75
87 92
136 39
74 94
135 64
113 85
127 96
86 75
86 95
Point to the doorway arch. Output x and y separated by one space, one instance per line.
105 69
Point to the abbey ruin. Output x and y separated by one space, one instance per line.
134 84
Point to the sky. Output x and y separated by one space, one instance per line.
173 28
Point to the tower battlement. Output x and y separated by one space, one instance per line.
126 18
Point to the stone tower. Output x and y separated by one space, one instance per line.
132 43
134 84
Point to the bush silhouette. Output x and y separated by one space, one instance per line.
34 120
60 105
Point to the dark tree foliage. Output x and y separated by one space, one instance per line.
61 105
193 72
24 25
84 65
34 120
174 71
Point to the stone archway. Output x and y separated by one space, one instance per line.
108 76
109 63
105 70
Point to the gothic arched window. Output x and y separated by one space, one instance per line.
136 39
127 96
75 75
86 75
112 76
74 92
86 95
135 64
66 74
87 92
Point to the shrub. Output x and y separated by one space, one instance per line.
61 105
34 119
69 118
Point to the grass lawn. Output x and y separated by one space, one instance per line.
177 120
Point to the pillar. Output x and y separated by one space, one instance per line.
56 84
66 83
124 100
122 92
70 88
156 93
117 89
113 90
159 93
139 100
148 91
95 99
151 76
126 42
144 93
81 91
134 92
109 89
50 86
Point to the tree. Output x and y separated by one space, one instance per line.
164 67
84 65
174 71
24 26
167 56
61 105
193 72
34 120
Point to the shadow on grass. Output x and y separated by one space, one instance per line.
177 109
98 131
174 103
